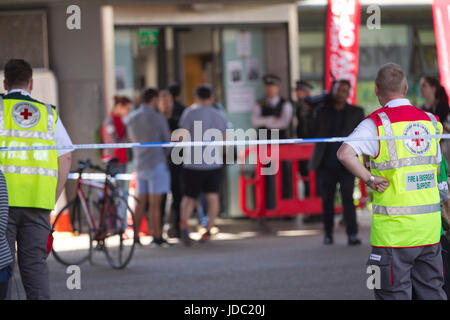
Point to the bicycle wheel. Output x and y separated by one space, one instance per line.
72 243
119 241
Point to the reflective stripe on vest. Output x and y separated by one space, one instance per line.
407 213
30 170
31 176
405 162
395 211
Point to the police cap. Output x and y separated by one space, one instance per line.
301 84
271 79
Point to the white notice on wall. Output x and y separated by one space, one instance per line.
243 44
240 99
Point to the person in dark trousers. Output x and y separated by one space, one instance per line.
34 182
274 113
336 118
175 169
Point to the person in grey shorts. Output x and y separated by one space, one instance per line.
146 124
6 257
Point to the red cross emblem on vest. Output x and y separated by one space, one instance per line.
25 114
417 146
417 141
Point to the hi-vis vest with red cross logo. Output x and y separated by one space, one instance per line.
31 176
407 213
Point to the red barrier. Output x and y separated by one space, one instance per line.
311 205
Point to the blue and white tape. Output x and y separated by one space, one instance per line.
217 143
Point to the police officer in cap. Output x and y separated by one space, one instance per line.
274 112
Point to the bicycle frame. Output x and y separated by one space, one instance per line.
104 206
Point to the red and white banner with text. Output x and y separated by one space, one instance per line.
441 18
342 43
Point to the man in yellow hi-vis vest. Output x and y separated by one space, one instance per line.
406 220
35 179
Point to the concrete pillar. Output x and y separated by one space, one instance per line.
109 77
294 55
76 57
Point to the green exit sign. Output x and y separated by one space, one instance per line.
148 38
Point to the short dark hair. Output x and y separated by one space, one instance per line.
148 95
18 72
203 91
121 100
174 89
344 81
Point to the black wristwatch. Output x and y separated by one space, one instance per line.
370 181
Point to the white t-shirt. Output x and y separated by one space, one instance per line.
61 136
368 128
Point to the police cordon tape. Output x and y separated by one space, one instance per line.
220 143
101 176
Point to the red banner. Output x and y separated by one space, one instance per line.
441 18
342 43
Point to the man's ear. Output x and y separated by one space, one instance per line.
30 85
376 90
5 86
405 91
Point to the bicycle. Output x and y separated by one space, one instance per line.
100 221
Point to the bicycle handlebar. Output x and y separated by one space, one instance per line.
86 164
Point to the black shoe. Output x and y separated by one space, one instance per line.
155 243
353 240
161 243
327 240
173 233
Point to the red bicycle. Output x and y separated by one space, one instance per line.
100 220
